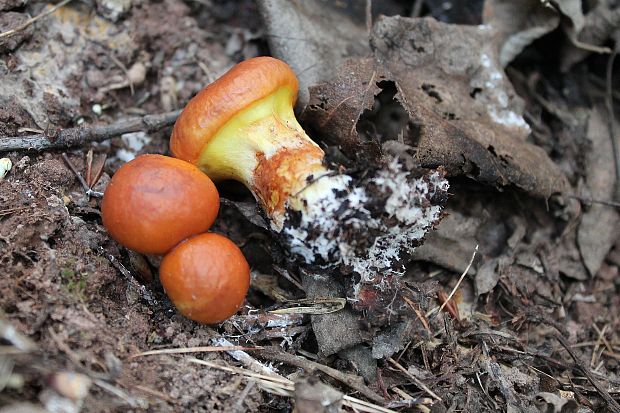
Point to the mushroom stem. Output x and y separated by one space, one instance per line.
264 147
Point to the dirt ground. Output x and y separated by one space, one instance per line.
544 286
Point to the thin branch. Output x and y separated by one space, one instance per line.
611 403
355 382
87 189
94 133
34 19
417 381
416 8
590 201
201 349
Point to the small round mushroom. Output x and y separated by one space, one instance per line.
206 277
154 202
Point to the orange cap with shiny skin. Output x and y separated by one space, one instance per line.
212 107
154 202
206 277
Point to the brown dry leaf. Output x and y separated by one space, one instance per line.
313 396
598 26
463 113
314 36
598 229
336 331
517 24
452 243
573 10
487 277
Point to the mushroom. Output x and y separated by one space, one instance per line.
206 277
154 202
243 127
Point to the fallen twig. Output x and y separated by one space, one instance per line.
285 387
611 403
146 294
89 191
354 382
183 350
94 133
590 201
33 19
417 381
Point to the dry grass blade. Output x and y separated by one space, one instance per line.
456 287
184 350
131 401
244 358
15 338
415 380
354 382
611 403
285 387
85 185
33 20
10 211
313 306
244 372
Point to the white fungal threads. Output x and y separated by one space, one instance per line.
321 199
494 97
345 225
409 203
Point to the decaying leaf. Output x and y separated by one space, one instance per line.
312 306
314 36
391 340
518 23
599 25
552 403
312 396
487 277
461 111
336 331
451 244
598 229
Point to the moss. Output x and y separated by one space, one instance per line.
74 282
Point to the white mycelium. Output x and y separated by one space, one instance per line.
492 81
369 228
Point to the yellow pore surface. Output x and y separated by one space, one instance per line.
260 130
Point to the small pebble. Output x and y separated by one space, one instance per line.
97 109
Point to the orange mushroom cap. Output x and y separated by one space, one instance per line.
206 277
154 202
247 82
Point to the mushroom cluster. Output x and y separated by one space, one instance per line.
242 127
160 205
